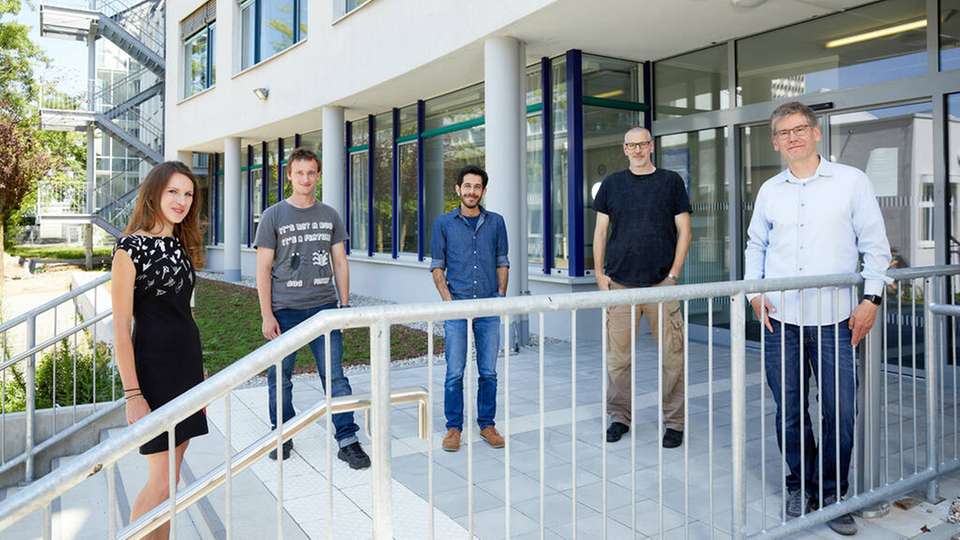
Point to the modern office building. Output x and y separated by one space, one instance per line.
397 95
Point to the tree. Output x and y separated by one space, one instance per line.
18 57
23 161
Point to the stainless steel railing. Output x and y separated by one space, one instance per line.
727 447
40 334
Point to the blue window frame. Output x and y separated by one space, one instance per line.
268 27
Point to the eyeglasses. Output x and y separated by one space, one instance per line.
799 132
637 145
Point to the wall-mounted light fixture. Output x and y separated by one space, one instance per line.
261 93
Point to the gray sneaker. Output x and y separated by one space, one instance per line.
842 525
796 502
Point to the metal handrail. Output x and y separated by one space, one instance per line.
259 448
65 297
41 493
55 339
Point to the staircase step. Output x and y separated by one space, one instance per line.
253 508
81 513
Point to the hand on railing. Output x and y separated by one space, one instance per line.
861 321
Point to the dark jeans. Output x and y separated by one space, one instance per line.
346 428
794 409
486 336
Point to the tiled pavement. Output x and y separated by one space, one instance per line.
627 509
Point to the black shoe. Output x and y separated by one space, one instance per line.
354 456
843 525
287 448
672 438
616 430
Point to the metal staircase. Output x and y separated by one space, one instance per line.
119 110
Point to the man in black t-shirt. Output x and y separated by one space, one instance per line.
646 212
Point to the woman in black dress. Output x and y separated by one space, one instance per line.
153 278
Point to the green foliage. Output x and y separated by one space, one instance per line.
228 317
63 362
18 57
60 361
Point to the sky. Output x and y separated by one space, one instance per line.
68 59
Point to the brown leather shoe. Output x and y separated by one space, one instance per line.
493 438
451 441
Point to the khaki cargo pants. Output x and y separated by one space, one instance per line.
618 361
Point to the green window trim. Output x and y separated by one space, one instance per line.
466 124
407 138
615 104
358 148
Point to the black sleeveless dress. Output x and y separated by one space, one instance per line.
166 342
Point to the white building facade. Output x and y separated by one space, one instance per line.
397 95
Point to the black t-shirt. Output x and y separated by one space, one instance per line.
643 234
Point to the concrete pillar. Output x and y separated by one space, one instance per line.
334 159
231 208
505 136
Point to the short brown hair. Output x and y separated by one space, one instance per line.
792 107
304 154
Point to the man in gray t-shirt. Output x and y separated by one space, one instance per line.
301 270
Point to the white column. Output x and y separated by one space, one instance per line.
231 208
505 136
334 156
505 144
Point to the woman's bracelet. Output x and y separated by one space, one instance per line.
131 389
138 394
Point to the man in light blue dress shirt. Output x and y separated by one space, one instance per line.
815 218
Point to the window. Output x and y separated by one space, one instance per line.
383 185
270 26
953 173
199 32
342 7
359 187
272 179
692 83
453 139
699 158
874 43
949 35
610 108
408 194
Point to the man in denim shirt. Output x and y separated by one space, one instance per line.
469 250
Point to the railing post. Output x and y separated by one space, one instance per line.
381 477
933 382
869 424
31 399
738 411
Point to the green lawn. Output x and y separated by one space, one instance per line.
229 320
57 252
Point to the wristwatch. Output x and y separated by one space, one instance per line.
875 299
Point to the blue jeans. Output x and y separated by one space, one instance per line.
486 334
346 428
790 446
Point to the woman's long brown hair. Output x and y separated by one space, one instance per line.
146 211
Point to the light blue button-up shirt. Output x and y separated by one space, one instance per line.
815 226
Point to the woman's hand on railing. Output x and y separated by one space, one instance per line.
137 408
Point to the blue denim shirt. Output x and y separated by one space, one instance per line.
469 256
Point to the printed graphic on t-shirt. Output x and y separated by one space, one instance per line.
309 260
